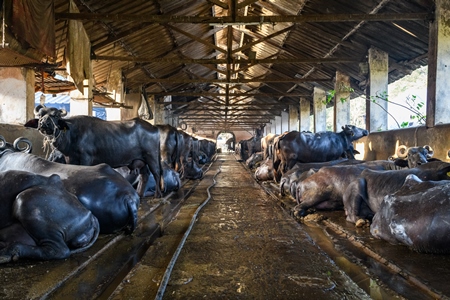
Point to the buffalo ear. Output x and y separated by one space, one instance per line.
62 125
33 123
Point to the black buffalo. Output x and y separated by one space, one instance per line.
290 179
306 147
88 141
364 195
189 167
20 144
39 219
413 156
417 215
325 188
103 191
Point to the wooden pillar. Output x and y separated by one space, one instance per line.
293 117
320 110
305 113
341 101
378 87
438 102
17 95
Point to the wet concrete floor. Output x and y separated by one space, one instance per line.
243 246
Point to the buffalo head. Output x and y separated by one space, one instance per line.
49 120
354 132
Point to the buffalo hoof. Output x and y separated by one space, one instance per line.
5 259
361 223
299 212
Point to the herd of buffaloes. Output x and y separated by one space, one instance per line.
90 184
405 199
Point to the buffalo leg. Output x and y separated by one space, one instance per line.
355 198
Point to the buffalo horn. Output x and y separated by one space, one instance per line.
26 149
402 151
430 151
2 142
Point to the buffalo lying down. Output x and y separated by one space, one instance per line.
364 195
39 219
417 215
103 191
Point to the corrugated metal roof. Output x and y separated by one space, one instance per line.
157 47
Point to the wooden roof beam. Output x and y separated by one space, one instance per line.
245 20
235 81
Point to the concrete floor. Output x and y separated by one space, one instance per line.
243 246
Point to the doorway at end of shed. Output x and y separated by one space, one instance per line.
225 141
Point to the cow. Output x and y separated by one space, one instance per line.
306 147
416 215
103 191
324 189
86 140
364 195
40 219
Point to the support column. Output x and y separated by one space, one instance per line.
438 102
158 112
320 110
378 72
268 128
341 101
293 117
17 95
81 103
305 113
278 125
284 121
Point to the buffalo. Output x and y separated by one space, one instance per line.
417 215
306 147
102 190
364 195
40 219
325 188
189 167
88 141
267 144
413 156
290 178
